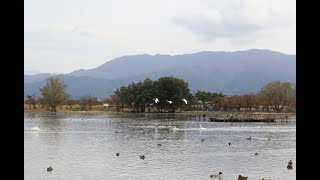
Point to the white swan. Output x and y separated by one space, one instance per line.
170 102
35 129
174 128
202 128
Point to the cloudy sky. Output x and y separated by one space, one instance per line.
62 36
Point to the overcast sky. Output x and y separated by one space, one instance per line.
61 36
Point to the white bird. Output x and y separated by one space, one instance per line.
170 102
216 176
99 100
156 100
185 101
174 128
106 105
35 129
202 128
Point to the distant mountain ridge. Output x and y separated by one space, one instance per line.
236 72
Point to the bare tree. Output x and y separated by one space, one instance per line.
54 93
278 95
31 101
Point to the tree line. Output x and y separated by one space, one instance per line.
169 94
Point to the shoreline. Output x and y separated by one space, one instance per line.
205 116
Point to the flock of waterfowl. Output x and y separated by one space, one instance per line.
218 176
240 177
229 117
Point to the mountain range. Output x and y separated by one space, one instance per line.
231 73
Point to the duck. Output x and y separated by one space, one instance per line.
229 143
202 140
290 166
142 157
49 169
256 154
118 154
242 177
249 138
159 144
216 176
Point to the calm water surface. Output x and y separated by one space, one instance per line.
84 146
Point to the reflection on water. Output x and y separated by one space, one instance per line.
84 146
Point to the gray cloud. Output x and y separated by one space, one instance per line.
232 19
211 29
80 31
73 39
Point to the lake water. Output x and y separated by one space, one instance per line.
84 146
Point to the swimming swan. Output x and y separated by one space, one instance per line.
174 128
202 128
35 129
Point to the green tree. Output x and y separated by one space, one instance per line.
149 93
122 97
172 89
206 97
136 99
54 93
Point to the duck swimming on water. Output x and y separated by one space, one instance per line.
290 165
242 177
142 157
216 176
49 169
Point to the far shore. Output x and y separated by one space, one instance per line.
223 116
